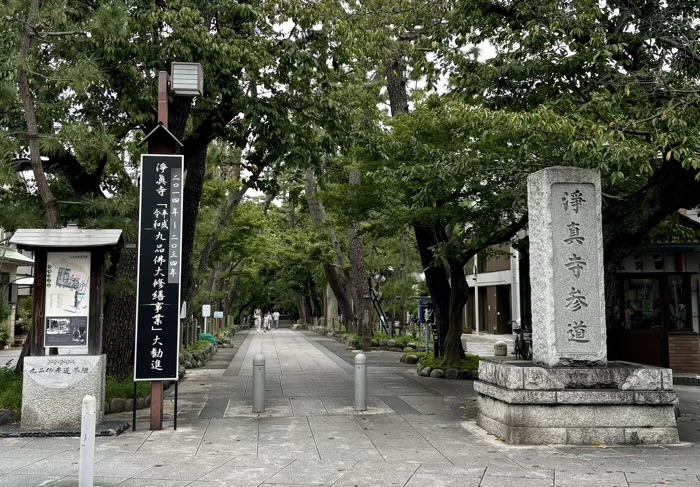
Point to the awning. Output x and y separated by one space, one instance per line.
14 257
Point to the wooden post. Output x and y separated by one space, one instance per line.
157 147
97 285
39 318
157 399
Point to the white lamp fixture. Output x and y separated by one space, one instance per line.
186 79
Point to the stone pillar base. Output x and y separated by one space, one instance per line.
54 386
622 403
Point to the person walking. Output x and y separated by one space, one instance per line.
276 319
267 321
258 319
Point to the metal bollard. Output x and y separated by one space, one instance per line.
259 384
360 382
87 443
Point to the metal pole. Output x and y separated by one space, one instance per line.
360 382
420 320
205 324
87 443
259 384
476 295
133 413
175 412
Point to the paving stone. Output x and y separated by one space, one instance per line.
489 481
16 480
421 480
186 468
572 478
72 481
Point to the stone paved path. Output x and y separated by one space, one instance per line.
416 433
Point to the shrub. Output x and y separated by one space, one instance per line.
197 346
124 388
10 390
469 362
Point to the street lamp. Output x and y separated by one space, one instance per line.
186 79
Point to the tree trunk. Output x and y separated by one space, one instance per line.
270 195
338 278
340 286
426 237
403 274
435 276
194 183
120 316
47 197
358 275
453 350
396 84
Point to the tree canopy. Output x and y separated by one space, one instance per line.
339 143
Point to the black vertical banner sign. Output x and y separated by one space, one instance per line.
158 282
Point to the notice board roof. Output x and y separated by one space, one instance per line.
66 238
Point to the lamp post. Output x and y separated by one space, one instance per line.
186 79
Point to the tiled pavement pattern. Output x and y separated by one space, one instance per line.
417 432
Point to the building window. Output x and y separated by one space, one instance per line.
641 298
678 294
653 302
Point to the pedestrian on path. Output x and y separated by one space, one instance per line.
268 321
276 319
258 319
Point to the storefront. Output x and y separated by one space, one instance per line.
655 315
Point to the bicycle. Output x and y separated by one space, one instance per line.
523 341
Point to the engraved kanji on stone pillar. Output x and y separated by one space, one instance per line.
566 267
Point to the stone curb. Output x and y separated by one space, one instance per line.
187 360
354 344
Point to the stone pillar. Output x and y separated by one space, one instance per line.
566 267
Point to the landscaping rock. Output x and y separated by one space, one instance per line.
117 405
129 405
411 359
375 343
105 407
412 345
407 349
452 374
403 358
391 343
7 417
425 372
188 364
140 403
437 373
382 343
181 358
148 401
